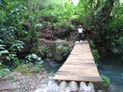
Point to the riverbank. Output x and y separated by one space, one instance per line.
112 67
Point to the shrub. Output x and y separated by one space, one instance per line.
66 51
44 52
38 66
3 50
3 71
104 84
33 58
63 29
94 50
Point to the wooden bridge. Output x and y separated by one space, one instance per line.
79 66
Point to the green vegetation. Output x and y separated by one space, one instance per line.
24 70
37 67
22 20
94 50
33 58
29 69
44 52
104 84
66 51
3 71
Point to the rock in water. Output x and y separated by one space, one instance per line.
52 87
73 86
61 50
83 87
67 89
99 91
91 86
62 86
41 90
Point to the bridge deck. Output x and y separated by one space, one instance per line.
79 66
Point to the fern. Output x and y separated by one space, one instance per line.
3 50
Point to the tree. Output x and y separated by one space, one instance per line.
38 3
30 7
101 19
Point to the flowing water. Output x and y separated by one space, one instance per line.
50 66
112 67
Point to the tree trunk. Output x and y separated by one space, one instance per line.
105 11
97 5
38 3
30 7
101 19
91 11
30 20
91 8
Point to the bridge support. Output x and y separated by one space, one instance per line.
66 86
76 87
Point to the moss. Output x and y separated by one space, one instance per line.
24 70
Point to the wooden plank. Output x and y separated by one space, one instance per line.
77 78
85 60
79 63
82 74
79 66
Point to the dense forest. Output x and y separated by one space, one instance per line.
30 28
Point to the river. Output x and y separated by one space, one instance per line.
111 66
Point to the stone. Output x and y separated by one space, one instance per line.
41 90
67 89
60 41
63 86
99 91
7 85
50 78
58 53
73 86
83 87
23 69
52 87
60 50
91 87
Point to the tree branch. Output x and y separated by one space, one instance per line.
97 5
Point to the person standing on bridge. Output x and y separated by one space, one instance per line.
80 32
